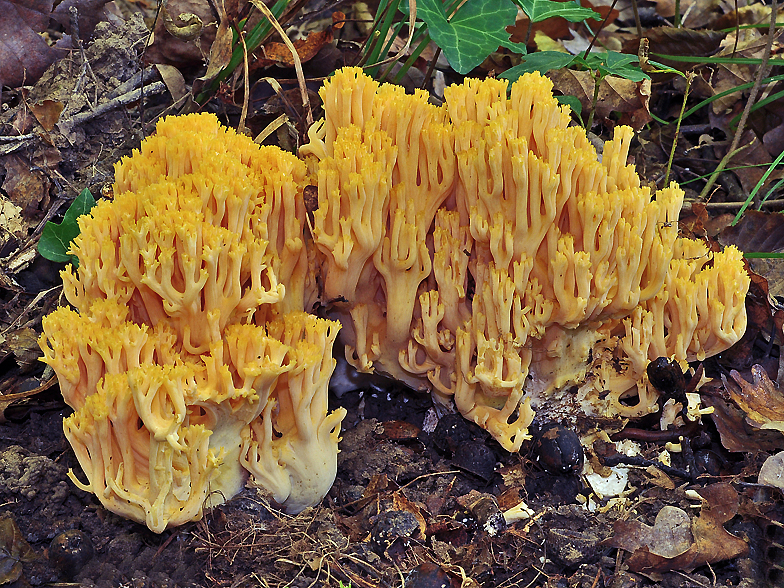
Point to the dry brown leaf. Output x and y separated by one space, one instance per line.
220 51
11 223
760 400
735 433
677 542
772 471
400 502
279 54
762 232
659 478
47 113
773 139
745 15
730 75
756 231
90 12
170 50
698 12
615 95
24 55
678 41
25 187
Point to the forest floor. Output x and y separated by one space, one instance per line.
412 505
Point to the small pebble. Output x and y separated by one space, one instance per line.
392 525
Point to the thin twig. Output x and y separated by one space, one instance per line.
689 78
19 317
778 203
599 30
85 63
14 138
140 77
151 90
637 21
762 73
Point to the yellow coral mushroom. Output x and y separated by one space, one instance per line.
511 253
174 353
481 250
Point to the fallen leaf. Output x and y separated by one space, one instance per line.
24 55
760 232
669 537
756 231
750 45
772 471
90 12
760 400
679 542
735 433
697 13
168 49
11 223
616 94
25 187
187 26
280 54
773 139
745 15
47 113
23 344
400 502
678 41
220 51
659 478
13 550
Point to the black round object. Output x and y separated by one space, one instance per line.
70 551
559 450
666 376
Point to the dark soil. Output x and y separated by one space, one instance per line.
396 507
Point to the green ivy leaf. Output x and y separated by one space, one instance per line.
56 238
476 30
616 64
541 61
573 102
539 10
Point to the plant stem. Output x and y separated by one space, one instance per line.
689 79
597 83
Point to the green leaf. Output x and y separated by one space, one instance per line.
539 10
476 30
615 64
573 102
542 61
56 238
